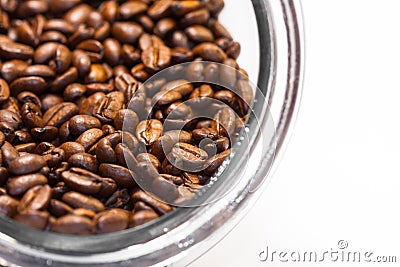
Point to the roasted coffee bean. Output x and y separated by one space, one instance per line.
82 180
31 115
121 175
209 52
83 160
81 123
199 33
156 57
112 220
33 218
29 97
9 50
9 153
188 157
88 138
81 61
59 114
58 208
8 205
164 26
141 217
215 162
50 100
4 91
160 9
73 224
68 77
27 147
164 98
108 108
181 86
126 32
8 131
71 148
179 136
10 70
150 158
34 84
26 164
36 198
200 16
203 133
74 91
20 184
54 157
149 131
119 199
224 122
78 200
13 119
89 104
160 207
47 133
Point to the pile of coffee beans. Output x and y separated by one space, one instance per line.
79 125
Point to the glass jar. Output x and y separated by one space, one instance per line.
272 51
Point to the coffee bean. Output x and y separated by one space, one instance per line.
149 131
4 91
149 158
50 100
26 164
89 137
164 26
199 33
142 217
215 162
11 118
8 205
78 200
10 70
34 84
108 108
59 208
112 220
33 218
59 114
82 180
73 224
160 207
72 148
209 52
188 157
131 9
20 184
224 122
81 123
159 9
9 50
121 175
126 32
36 198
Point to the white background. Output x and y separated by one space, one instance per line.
339 178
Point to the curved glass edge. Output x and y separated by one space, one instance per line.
178 245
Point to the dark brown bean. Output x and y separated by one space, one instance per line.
34 84
131 9
9 50
73 224
82 180
10 70
81 123
8 205
58 208
33 218
4 91
78 200
188 157
126 32
160 207
215 162
209 52
141 217
26 164
149 131
112 220
36 198
108 108
59 114
72 148
84 161
89 138
20 184
121 175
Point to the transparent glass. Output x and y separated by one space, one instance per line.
181 236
